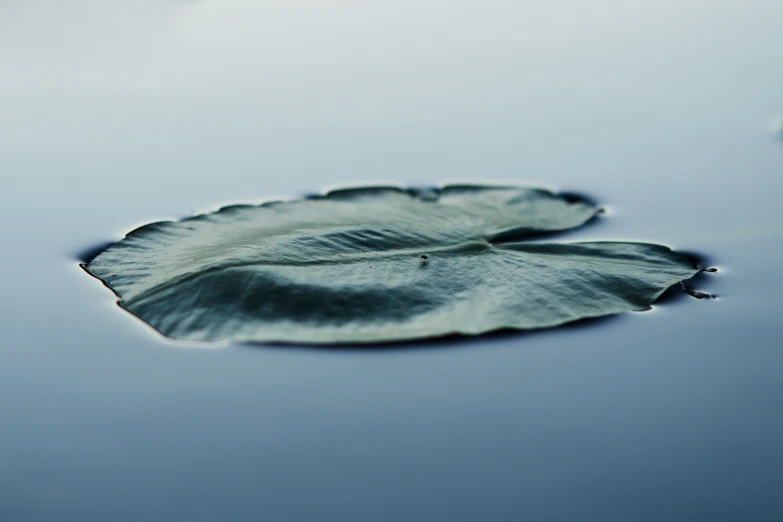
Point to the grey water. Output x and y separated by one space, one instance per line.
114 115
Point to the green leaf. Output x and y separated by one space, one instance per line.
378 264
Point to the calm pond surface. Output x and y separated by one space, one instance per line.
117 115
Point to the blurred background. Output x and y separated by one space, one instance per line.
115 114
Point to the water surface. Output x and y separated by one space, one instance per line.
117 117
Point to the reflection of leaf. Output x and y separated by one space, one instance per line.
347 267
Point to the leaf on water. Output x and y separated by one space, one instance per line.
379 264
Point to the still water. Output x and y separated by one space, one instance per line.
117 115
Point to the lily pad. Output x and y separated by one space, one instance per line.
380 264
